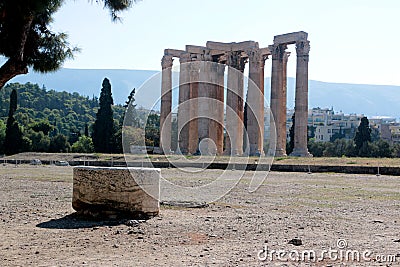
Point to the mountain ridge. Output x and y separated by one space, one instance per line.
365 99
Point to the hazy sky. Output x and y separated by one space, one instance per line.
353 41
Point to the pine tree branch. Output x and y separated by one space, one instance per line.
10 69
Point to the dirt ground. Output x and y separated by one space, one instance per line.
324 212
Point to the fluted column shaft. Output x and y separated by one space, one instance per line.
301 101
278 97
234 103
255 103
283 104
193 105
204 107
184 107
166 104
216 112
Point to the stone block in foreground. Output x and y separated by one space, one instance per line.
116 191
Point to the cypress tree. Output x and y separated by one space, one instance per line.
131 99
104 129
363 138
86 129
13 138
130 115
290 145
13 103
129 119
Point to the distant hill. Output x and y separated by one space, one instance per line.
370 100
88 82
67 112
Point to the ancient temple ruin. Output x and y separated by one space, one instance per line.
201 116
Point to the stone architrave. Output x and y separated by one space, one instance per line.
301 102
166 104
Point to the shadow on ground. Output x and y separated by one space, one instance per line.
75 221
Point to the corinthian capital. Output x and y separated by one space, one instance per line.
166 62
278 51
302 48
235 60
255 57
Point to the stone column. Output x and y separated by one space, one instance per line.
261 110
301 102
193 106
255 103
278 98
166 104
184 107
204 107
234 103
283 101
216 112
219 119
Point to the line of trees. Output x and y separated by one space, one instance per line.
50 121
361 146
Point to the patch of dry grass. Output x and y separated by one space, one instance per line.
37 173
343 161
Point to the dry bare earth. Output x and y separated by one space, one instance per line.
37 228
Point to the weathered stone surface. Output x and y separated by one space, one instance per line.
185 204
290 38
166 104
301 101
174 52
232 46
114 191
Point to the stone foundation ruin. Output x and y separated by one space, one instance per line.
114 192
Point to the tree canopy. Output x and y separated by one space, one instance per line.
27 41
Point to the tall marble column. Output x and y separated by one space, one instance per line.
216 112
283 104
234 103
220 97
204 105
261 110
193 106
255 102
278 98
301 102
184 107
166 104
